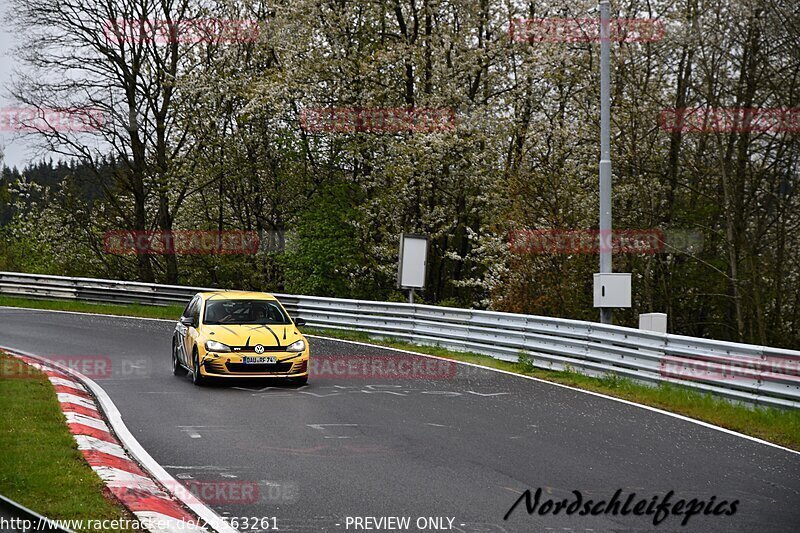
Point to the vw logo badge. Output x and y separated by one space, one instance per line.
259 349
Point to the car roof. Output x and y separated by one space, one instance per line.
236 295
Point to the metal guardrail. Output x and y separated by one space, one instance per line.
17 517
744 372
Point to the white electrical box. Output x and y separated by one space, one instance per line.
653 322
412 262
612 290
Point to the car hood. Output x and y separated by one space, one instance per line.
251 334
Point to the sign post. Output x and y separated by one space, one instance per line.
605 153
412 263
610 290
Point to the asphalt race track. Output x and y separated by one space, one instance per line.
461 444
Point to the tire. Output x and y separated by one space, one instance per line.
177 368
300 381
197 378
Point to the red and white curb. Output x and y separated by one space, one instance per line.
152 495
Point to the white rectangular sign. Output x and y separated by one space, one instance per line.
413 260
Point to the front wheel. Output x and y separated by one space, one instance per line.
197 378
177 367
300 381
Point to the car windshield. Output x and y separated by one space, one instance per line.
244 312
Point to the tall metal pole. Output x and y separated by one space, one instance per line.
605 151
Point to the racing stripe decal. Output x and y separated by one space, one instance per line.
273 334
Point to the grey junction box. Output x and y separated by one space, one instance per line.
612 290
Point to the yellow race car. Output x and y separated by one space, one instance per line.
229 334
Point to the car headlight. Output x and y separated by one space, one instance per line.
214 346
296 346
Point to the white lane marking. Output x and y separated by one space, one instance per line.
320 426
567 387
85 442
262 389
382 391
312 394
77 418
66 383
473 365
136 450
65 397
327 434
193 432
199 467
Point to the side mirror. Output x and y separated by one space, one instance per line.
187 321
299 322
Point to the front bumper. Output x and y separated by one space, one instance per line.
227 365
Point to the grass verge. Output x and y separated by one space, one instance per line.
774 425
41 466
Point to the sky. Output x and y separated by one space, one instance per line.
14 149
18 152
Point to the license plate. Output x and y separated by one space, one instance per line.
258 360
